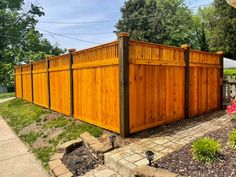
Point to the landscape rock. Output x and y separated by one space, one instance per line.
54 163
60 170
70 145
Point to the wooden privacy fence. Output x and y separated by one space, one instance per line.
125 86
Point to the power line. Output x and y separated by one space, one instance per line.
80 34
57 34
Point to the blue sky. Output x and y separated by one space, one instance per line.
84 10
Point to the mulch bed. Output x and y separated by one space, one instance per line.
80 161
181 161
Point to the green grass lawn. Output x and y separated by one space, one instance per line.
7 95
230 71
34 124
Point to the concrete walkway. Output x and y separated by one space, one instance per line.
15 159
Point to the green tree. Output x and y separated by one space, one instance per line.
161 21
20 42
204 30
224 27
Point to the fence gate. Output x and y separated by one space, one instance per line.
229 89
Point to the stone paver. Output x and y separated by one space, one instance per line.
101 171
15 160
173 137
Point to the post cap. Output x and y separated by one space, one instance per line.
185 46
71 50
123 34
220 52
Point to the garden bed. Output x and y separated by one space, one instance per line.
81 160
181 161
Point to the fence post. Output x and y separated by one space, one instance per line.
21 80
32 82
71 81
187 84
48 82
221 53
123 51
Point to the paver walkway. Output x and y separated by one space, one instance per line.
15 159
124 159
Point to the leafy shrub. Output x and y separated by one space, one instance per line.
232 139
205 150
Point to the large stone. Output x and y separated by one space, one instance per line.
60 170
88 138
68 174
144 171
69 146
54 163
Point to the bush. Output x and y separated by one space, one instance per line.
205 150
232 139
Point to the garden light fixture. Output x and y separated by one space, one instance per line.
150 157
112 140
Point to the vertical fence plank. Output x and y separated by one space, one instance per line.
71 82
32 81
15 81
21 80
186 59
123 39
48 82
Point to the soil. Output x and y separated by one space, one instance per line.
181 161
81 160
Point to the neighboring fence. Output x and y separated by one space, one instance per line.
229 89
125 86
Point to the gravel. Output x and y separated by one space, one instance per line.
181 161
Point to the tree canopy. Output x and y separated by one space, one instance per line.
171 22
20 42
161 21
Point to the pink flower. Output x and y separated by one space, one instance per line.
232 108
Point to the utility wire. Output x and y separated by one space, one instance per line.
80 34
57 34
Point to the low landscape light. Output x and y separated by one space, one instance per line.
112 140
150 157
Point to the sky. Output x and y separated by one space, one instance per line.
85 34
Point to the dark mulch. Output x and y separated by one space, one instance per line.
181 161
81 160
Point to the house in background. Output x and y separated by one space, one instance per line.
3 89
232 3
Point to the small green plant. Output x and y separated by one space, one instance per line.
232 139
205 150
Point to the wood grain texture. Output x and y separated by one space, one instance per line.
40 83
204 82
26 79
18 82
60 84
156 90
96 88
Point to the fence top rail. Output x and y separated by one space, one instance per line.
96 47
157 45
59 56
204 52
39 61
